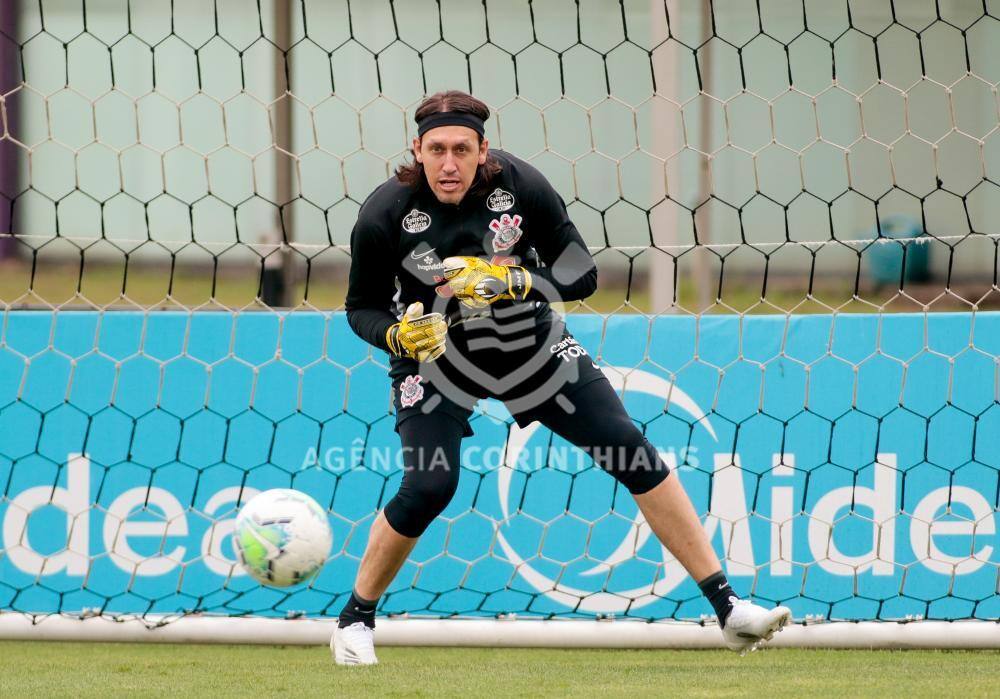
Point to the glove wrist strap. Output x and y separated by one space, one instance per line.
519 282
392 339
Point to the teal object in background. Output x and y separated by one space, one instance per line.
886 259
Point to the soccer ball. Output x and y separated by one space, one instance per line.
282 537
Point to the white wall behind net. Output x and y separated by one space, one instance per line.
239 122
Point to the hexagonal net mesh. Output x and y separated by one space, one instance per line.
793 208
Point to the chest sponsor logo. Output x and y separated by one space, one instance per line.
426 261
429 264
500 200
507 231
416 222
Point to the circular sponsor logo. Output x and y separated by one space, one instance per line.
600 600
499 200
416 222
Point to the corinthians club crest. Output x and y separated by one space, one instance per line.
410 391
507 231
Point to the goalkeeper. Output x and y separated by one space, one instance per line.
455 261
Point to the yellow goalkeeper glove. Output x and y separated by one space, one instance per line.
477 283
418 335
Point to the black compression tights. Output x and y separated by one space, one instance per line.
431 443
598 424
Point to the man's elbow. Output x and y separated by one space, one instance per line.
589 282
355 319
579 284
576 273
352 317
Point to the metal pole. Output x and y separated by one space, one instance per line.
276 279
9 160
661 269
492 633
702 219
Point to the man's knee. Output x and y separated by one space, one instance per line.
420 500
634 462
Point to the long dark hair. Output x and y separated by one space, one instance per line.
412 174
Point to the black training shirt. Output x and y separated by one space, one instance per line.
402 234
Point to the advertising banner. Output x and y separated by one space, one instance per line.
845 465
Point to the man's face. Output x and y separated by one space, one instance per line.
450 156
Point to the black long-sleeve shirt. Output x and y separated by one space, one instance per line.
404 232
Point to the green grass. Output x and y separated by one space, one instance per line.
104 670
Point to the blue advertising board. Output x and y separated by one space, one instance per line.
846 466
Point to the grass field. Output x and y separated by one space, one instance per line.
104 670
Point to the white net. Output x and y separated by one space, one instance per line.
793 209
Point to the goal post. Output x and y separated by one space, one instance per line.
471 633
793 210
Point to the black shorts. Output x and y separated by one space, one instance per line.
560 369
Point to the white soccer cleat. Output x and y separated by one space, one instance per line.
749 625
354 645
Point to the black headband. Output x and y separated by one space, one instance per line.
432 121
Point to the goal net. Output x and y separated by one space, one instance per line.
794 212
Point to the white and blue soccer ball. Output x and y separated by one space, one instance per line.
282 537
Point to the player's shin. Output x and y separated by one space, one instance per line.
353 641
